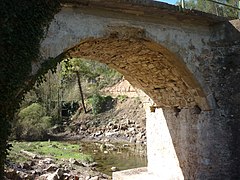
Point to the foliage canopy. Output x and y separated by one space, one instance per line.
214 8
33 122
23 26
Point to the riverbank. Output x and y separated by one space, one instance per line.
51 161
125 122
71 160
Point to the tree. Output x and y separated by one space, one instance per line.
23 26
74 67
100 73
215 8
33 122
80 90
47 94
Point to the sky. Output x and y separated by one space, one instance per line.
168 1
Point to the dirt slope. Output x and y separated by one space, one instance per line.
123 123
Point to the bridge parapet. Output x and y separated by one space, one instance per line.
145 8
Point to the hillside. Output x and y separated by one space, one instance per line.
125 122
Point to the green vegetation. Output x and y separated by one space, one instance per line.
122 98
56 150
100 103
23 26
214 8
42 105
32 123
97 75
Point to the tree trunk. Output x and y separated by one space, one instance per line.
80 89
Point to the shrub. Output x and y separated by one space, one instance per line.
100 103
122 98
33 123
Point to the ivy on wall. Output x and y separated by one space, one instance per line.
23 25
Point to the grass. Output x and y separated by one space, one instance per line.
54 149
122 98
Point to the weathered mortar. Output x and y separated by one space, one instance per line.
226 69
146 65
178 64
71 27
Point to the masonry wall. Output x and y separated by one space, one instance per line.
207 143
162 159
222 74
181 44
198 141
191 144
205 140
226 88
179 143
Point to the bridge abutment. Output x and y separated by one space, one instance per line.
181 67
162 158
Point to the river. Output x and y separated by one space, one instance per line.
121 156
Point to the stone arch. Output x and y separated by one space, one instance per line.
193 42
164 77
145 64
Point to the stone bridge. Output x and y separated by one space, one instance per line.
186 63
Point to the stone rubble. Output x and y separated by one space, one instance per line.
43 169
120 124
115 126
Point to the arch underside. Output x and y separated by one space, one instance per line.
147 66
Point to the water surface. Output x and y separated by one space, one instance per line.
121 156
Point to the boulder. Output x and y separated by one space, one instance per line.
68 176
132 140
11 174
74 161
113 169
51 168
47 161
83 127
56 175
124 127
94 178
98 133
26 166
30 154
88 177
132 129
85 164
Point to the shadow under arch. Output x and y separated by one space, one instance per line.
155 70
147 66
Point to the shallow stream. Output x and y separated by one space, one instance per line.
121 156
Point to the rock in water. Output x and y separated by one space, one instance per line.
113 169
